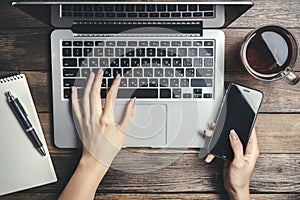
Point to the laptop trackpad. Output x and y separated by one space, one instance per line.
149 125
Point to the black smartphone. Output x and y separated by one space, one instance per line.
238 111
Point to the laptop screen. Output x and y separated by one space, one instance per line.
117 14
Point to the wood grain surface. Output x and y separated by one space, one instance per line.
25 47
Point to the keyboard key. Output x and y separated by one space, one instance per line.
201 82
151 52
117 71
67 93
156 62
132 82
103 84
175 43
93 62
161 7
109 52
71 73
179 72
138 72
186 43
129 7
166 62
132 15
119 52
98 52
184 82
175 15
208 14
169 72
87 7
138 93
85 72
182 7
88 43
208 43
187 62
172 52
121 43
197 62
130 52
186 95
76 82
107 72
127 72
70 62
77 52
103 93
140 8
197 43
164 14
161 52
66 14
153 82
119 7
114 62
165 43
197 91
108 7
132 43
110 43
206 52
66 7
140 52
150 8
172 7
204 72
176 93
77 43
146 62
154 15
207 95
103 62
135 62
186 14
197 14
174 82
148 72
164 82
165 93
208 62
99 43
182 52
77 7
67 52
83 62
206 7
100 15
124 62
177 62
123 82
193 7
110 15
143 15
154 43
192 52
88 52
110 82
190 72
158 72
98 7
143 82
67 43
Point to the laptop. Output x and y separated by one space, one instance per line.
170 56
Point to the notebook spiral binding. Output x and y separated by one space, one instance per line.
10 77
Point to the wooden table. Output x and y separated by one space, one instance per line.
25 47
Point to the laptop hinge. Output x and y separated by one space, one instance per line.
107 27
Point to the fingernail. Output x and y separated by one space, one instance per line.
209 158
73 89
91 74
118 76
233 134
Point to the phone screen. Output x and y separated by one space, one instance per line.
236 113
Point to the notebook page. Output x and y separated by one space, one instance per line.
21 165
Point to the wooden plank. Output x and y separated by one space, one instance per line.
281 12
29 49
134 196
274 173
277 133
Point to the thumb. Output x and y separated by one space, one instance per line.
127 120
237 146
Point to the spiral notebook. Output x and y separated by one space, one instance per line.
21 165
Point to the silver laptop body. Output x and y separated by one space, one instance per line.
173 63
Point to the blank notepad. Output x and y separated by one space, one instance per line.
21 165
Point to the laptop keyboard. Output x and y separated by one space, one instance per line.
165 69
137 11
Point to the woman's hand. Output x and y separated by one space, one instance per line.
237 173
101 137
